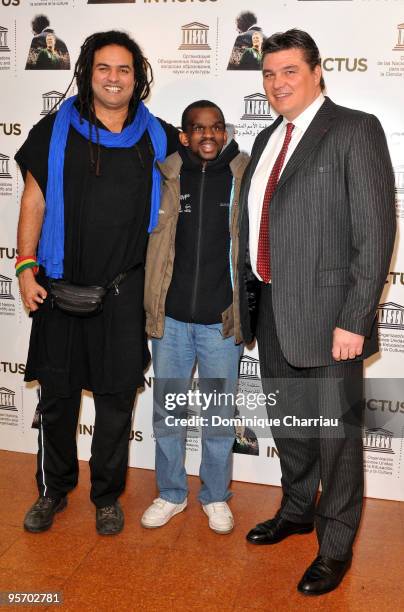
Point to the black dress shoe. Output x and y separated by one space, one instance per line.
323 575
275 530
40 516
109 520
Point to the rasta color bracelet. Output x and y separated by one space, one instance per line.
23 263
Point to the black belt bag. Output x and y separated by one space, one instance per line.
81 300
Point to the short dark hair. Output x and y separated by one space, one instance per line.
294 39
39 23
245 20
199 104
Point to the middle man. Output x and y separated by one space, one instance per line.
192 312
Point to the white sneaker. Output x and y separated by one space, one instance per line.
220 517
160 512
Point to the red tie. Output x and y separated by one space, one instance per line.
263 257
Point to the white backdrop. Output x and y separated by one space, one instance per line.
189 43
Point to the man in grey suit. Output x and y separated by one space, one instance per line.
317 227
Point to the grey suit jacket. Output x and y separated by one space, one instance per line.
332 227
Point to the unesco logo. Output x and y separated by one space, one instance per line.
194 37
4 166
51 101
400 40
390 316
256 106
249 368
5 288
378 440
4 48
7 399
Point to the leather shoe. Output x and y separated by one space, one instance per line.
323 575
40 516
275 530
109 520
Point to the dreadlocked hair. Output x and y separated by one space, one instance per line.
83 70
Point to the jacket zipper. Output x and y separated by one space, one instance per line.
198 245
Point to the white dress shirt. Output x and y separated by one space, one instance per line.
264 168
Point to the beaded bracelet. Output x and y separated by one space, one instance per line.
23 263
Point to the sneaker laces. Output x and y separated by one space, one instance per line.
160 503
44 502
219 507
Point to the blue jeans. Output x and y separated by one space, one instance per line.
174 357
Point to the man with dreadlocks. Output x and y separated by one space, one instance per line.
91 196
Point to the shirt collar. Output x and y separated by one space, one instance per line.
303 121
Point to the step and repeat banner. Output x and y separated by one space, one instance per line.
197 49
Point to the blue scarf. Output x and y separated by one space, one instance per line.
51 245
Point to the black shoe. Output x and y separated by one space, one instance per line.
40 516
109 520
323 575
275 530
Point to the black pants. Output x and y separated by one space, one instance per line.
332 456
57 465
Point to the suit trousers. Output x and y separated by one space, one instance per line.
332 456
57 464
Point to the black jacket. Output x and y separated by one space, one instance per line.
201 289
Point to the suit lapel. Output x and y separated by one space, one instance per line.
310 140
257 154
